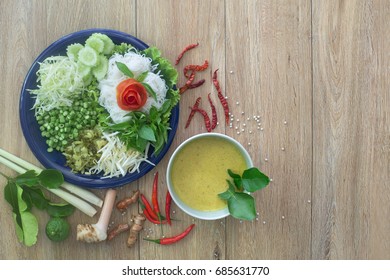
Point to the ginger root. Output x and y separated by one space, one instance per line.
136 227
124 203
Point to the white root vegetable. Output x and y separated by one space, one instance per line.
82 193
98 232
75 201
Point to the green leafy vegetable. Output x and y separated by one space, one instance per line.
23 192
241 205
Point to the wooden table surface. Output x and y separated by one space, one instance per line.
317 73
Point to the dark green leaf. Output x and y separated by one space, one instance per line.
146 132
150 91
124 69
140 144
236 178
228 193
51 178
11 195
29 178
36 197
253 180
142 76
60 210
242 206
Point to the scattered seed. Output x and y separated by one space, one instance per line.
231 72
249 143
283 149
264 222
238 132
237 103
285 122
309 201
282 217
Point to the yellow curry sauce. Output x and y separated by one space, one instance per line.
199 172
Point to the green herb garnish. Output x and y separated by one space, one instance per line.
25 191
241 203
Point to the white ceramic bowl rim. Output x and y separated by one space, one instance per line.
204 215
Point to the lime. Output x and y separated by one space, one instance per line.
57 229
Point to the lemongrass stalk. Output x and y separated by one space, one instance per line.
83 193
75 201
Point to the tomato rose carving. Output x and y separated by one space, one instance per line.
131 95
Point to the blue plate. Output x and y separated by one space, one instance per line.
55 159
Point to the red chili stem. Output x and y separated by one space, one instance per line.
196 105
194 67
221 97
186 49
148 207
173 239
205 117
168 202
213 113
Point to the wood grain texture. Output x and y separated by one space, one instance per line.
268 50
351 130
308 82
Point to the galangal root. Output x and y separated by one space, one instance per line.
136 227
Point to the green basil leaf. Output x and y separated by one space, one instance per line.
242 206
253 180
60 210
166 106
150 91
142 76
124 69
147 133
51 178
29 178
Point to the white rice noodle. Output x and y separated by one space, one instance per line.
116 160
138 64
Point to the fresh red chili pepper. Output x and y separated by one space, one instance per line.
168 202
205 117
213 113
197 84
148 208
196 105
186 49
194 67
156 207
221 97
173 239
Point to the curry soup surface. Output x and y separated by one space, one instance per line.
199 172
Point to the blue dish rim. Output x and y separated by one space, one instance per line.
55 159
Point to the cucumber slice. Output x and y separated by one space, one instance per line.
108 43
88 56
72 51
101 69
83 69
95 43
88 80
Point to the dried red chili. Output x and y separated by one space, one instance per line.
196 105
186 49
173 239
188 83
194 67
214 118
168 202
197 84
205 117
221 97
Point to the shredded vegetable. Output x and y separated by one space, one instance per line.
116 159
